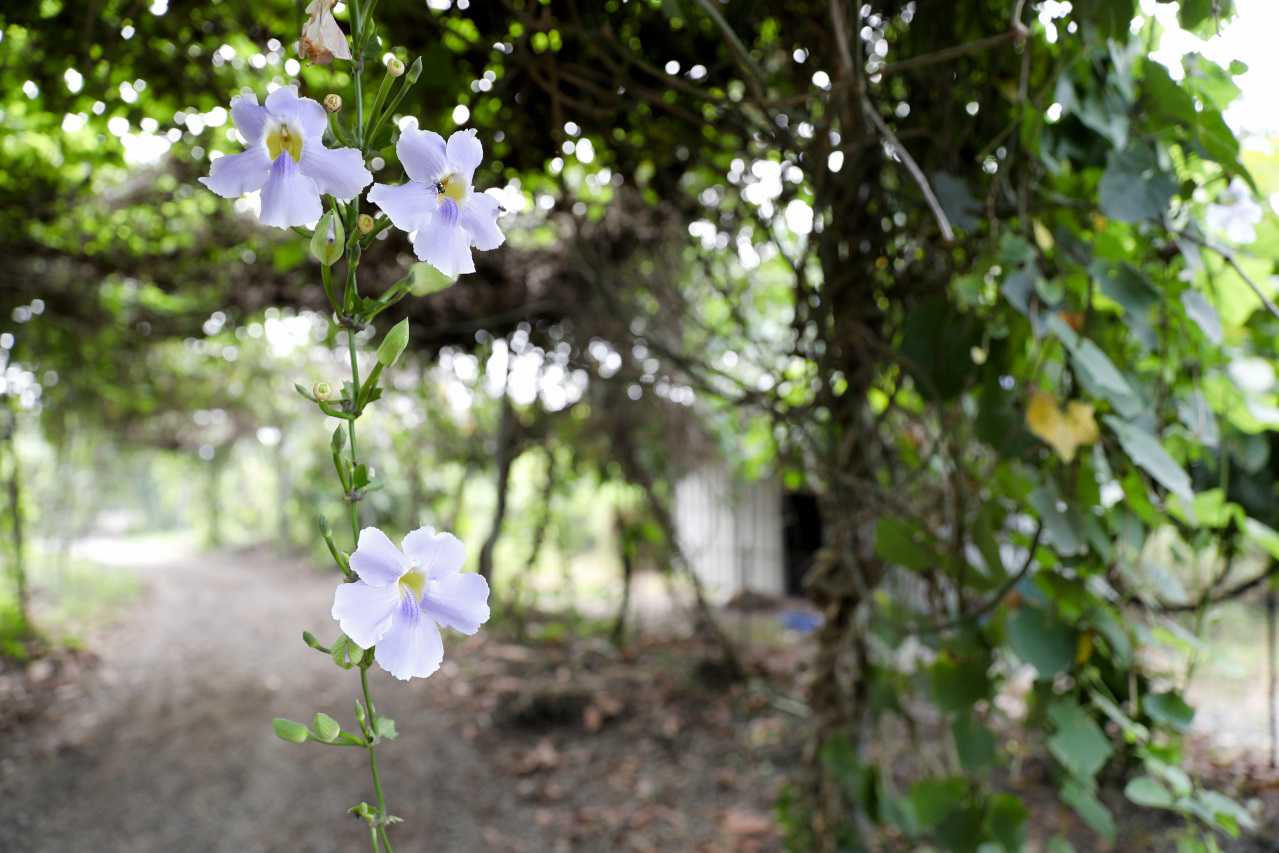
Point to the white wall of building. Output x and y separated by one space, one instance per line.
731 533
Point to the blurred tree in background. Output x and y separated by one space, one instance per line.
945 265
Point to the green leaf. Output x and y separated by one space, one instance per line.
902 543
936 347
1218 809
1060 519
326 728
1047 644
1133 188
957 202
1096 371
933 799
386 728
329 239
1167 103
426 279
346 654
956 685
289 730
974 742
1123 284
1150 792
961 830
360 477
1170 709
1084 801
1197 416
1079 744
1059 844
1263 535
1200 310
1005 819
1219 142
1147 453
393 344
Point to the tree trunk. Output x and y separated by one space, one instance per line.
15 515
505 456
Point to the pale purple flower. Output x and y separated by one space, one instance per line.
286 159
1235 213
438 202
402 594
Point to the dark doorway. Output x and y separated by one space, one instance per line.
802 537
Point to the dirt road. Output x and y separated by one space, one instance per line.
170 747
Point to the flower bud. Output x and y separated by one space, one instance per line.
394 67
326 728
393 344
364 223
333 102
322 391
327 241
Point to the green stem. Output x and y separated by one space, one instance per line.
378 100
355 382
357 26
377 782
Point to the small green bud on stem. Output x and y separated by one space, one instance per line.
394 67
364 223
322 391
393 344
328 240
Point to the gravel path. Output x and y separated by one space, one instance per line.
171 747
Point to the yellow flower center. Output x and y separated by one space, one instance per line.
415 581
452 187
281 139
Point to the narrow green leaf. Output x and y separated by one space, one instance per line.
1148 791
1147 453
1085 803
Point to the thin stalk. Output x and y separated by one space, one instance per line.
357 27
355 383
379 99
377 782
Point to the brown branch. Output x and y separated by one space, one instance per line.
912 167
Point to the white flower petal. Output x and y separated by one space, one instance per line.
412 647
465 153
248 117
339 172
459 601
410 206
365 612
236 174
422 154
288 198
376 559
444 244
435 554
479 218
308 114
